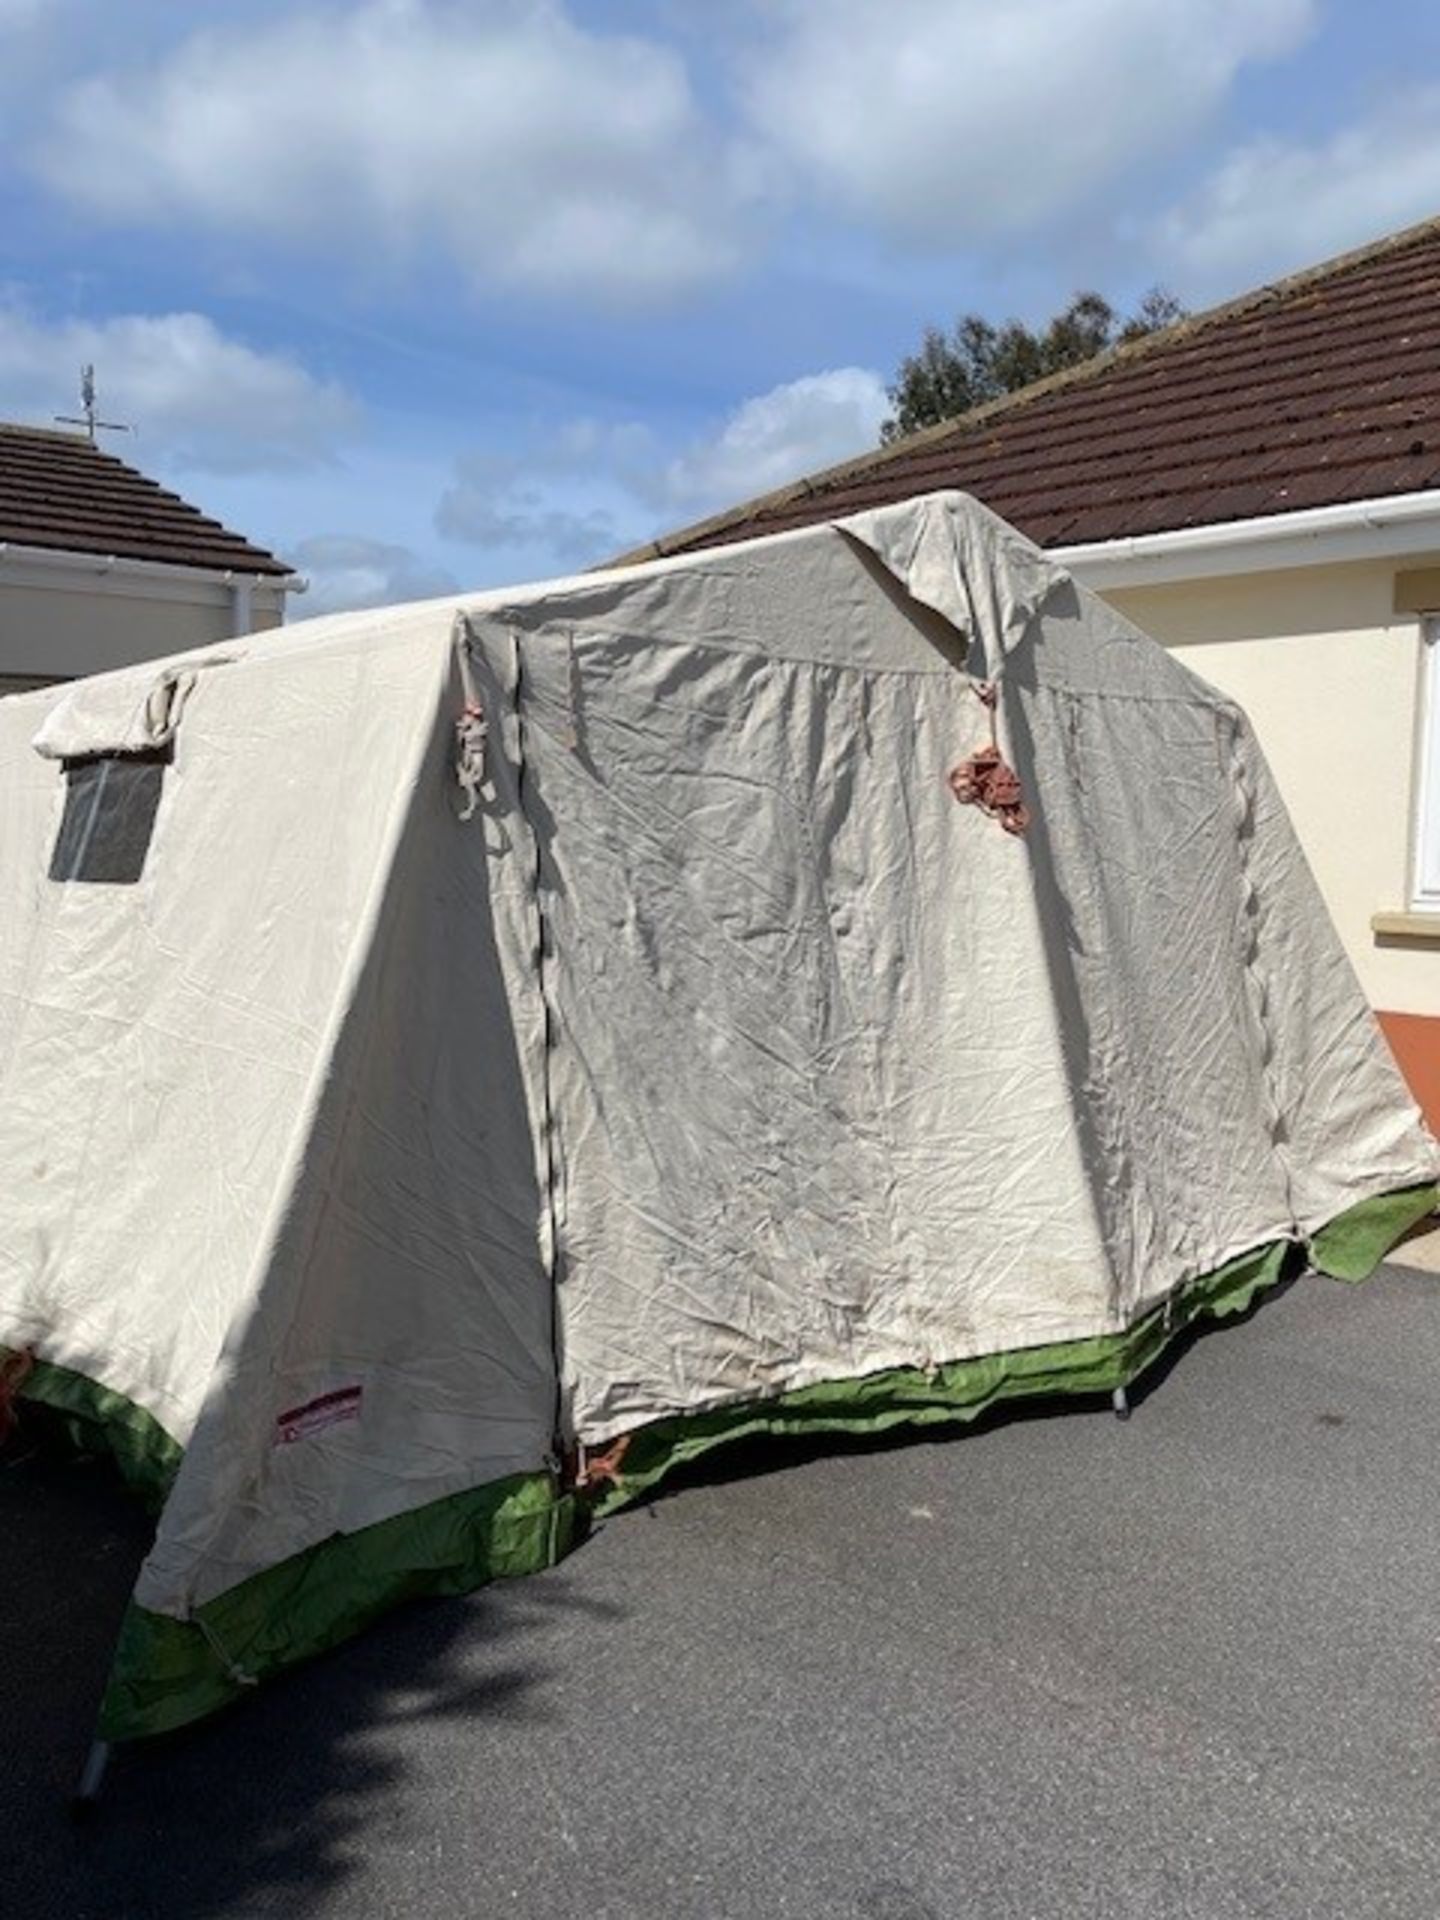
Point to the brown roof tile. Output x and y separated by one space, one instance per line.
1320 390
59 490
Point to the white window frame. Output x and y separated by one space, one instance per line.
1425 868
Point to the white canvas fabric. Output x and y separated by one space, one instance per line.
718 1052
122 713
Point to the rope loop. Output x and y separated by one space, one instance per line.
985 779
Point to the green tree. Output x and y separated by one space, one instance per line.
978 361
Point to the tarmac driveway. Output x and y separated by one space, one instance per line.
1054 1666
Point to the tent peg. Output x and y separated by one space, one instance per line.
92 1777
1120 1401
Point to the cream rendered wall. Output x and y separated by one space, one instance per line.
1331 677
60 632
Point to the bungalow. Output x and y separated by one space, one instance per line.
100 566
1258 487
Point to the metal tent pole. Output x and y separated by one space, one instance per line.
92 1776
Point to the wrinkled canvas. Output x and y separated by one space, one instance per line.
371 1149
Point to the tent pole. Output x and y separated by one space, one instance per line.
1120 1401
92 1775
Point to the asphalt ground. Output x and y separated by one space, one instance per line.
1054 1665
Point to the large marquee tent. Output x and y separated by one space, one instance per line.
459 1060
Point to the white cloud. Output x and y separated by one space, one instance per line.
535 153
193 393
777 437
1275 205
587 488
504 511
562 503
941 120
348 570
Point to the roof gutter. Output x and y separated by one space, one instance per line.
1405 523
237 590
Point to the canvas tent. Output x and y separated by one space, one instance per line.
438 1043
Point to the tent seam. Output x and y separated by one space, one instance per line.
1254 972
548 1028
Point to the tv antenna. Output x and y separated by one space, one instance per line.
88 419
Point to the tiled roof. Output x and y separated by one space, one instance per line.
58 490
1322 389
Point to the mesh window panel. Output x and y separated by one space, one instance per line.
110 806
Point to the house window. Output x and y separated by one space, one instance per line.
110 806
1425 884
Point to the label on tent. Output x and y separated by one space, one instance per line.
326 1411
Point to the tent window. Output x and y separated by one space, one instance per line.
110 806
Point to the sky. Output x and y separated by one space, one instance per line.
426 294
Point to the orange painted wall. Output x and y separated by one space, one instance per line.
1415 1042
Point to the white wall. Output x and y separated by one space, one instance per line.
1330 675
56 632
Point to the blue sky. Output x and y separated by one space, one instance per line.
426 293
